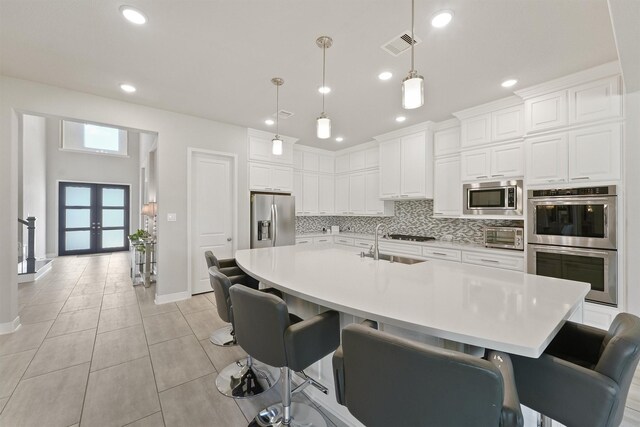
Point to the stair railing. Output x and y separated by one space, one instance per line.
30 222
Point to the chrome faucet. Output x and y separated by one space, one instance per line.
376 251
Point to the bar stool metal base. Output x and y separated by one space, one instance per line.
301 415
246 378
223 337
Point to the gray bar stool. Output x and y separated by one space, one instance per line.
583 377
245 377
386 381
266 330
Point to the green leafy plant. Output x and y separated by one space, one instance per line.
137 239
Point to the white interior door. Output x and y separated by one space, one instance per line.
212 214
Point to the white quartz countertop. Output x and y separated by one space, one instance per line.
488 307
431 243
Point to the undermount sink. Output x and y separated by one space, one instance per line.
398 259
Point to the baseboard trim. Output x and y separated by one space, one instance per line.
8 327
178 296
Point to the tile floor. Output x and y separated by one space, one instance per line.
95 351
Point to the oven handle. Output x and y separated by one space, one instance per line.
585 252
571 201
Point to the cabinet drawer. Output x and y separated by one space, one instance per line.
400 248
343 241
323 240
366 244
303 241
491 260
445 254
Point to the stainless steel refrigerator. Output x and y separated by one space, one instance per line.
273 220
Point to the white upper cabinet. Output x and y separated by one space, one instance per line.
356 161
260 150
310 193
507 123
342 163
297 192
406 167
326 164
447 188
502 161
342 194
373 204
546 159
446 141
282 178
266 177
310 161
297 159
596 100
545 112
357 194
371 158
594 153
326 194
476 130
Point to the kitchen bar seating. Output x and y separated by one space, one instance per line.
266 330
385 380
583 377
245 377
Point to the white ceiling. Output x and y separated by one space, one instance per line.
215 58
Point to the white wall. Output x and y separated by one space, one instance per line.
34 180
86 167
175 131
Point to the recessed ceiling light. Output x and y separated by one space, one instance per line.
385 75
400 119
133 15
509 83
127 88
339 139
324 89
269 122
442 18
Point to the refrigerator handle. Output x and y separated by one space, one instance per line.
274 225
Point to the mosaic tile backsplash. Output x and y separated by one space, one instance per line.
412 217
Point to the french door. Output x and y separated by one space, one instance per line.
93 218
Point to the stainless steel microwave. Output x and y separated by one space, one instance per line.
493 198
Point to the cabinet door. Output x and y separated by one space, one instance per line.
390 169
342 194
356 161
373 204
594 153
546 159
342 163
357 193
507 161
476 130
326 194
297 192
282 178
326 164
259 176
259 149
310 193
310 162
287 154
413 166
595 100
447 193
546 111
446 141
507 123
371 158
475 165
297 159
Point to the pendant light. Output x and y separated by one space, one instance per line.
413 84
323 123
276 142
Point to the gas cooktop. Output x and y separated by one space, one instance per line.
410 237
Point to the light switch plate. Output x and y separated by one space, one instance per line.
171 217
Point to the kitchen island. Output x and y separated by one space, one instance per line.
433 301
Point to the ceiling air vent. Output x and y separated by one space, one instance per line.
400 43
284 114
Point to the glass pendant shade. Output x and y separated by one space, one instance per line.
323 127
276 146
412 91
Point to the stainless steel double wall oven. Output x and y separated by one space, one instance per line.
572 235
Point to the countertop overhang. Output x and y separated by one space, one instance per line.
487 307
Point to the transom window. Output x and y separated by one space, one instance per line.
99 139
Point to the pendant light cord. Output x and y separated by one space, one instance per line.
277 108
413 39
324 87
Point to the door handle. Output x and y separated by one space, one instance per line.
274 223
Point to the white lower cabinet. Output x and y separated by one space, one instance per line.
399 248
494 260
304 240
348 241
365 244
598 316
327 239
442 254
